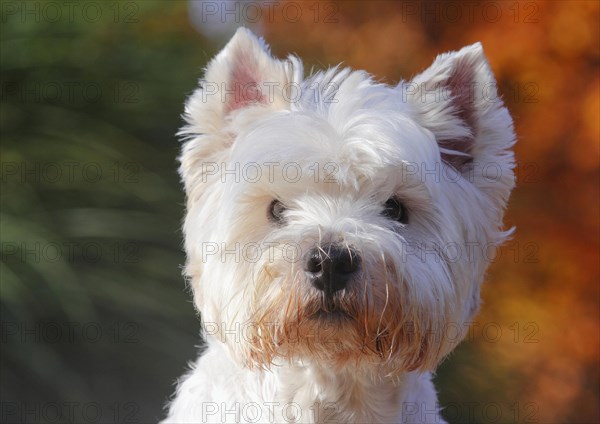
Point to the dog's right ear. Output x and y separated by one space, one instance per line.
242 75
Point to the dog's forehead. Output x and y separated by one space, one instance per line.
364 144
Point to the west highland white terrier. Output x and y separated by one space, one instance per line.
336 234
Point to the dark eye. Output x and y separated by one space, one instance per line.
394 209
276 210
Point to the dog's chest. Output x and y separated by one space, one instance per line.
317 395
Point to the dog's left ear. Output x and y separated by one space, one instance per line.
456 98
242 75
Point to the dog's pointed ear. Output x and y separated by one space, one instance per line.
242 75
456 98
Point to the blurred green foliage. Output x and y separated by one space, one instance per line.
93 306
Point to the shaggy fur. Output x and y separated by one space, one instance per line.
331 150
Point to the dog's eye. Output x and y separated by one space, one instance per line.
276 210
394 209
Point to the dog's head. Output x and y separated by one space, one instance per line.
337 219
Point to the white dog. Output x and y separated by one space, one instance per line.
336 234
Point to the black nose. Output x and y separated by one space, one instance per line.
331 266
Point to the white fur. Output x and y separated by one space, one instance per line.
376 142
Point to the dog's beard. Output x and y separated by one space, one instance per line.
373 323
